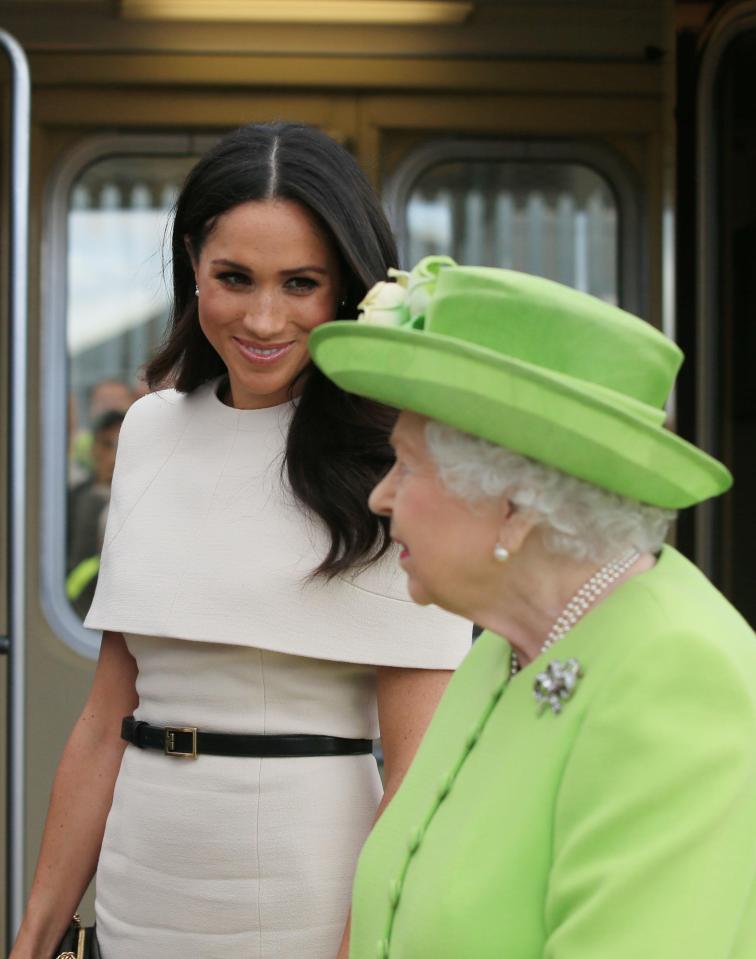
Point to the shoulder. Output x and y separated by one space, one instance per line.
159 416
661 619
160 407
669 680
679 617
680 669
154 427
681 681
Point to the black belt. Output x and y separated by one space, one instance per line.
187 742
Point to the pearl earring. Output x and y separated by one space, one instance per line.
500 553
196 290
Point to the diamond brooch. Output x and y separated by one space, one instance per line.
556 684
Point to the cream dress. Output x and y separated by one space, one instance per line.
205 571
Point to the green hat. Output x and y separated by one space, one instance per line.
529 364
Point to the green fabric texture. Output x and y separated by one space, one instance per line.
622 827
529 364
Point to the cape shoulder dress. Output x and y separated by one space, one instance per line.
205 570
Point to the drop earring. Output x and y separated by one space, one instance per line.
196 290
500 553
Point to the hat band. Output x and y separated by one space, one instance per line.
621 401
635 408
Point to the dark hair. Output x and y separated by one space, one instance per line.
337 446
107 420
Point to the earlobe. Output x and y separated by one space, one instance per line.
515 526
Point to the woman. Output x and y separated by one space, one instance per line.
256 630
587 788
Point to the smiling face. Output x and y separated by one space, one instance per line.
267 275
446 542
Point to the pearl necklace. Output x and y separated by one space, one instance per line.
581 602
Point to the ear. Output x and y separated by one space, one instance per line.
515 525
190 251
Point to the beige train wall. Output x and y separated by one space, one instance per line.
599 70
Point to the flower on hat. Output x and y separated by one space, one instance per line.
405 301
385 304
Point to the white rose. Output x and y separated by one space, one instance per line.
385 304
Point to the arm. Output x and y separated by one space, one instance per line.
81 797
655 822
407 699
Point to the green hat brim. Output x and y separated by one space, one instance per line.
574 427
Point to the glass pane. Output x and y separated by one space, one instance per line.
118 301
558 220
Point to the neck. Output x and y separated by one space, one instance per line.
534 589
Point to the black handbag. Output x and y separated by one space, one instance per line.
79 942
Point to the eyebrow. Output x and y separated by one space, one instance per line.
310 268
231 263
306 269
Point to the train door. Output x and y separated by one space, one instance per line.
726 290
559 168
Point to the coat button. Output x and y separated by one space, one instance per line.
395 892
445 788
415 839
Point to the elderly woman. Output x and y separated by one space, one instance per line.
587 788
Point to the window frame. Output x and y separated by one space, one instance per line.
53 389
600 158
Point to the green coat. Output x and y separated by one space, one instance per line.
622 828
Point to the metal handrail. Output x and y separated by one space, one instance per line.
15 643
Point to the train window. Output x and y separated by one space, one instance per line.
109 212
548 209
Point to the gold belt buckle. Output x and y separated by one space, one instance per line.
170 741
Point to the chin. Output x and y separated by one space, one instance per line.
418 593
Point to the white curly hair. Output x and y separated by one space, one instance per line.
577 518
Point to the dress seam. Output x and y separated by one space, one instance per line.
261 654
147 488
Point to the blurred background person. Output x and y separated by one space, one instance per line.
87 509
106 396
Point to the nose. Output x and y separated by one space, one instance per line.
264 317
382 498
